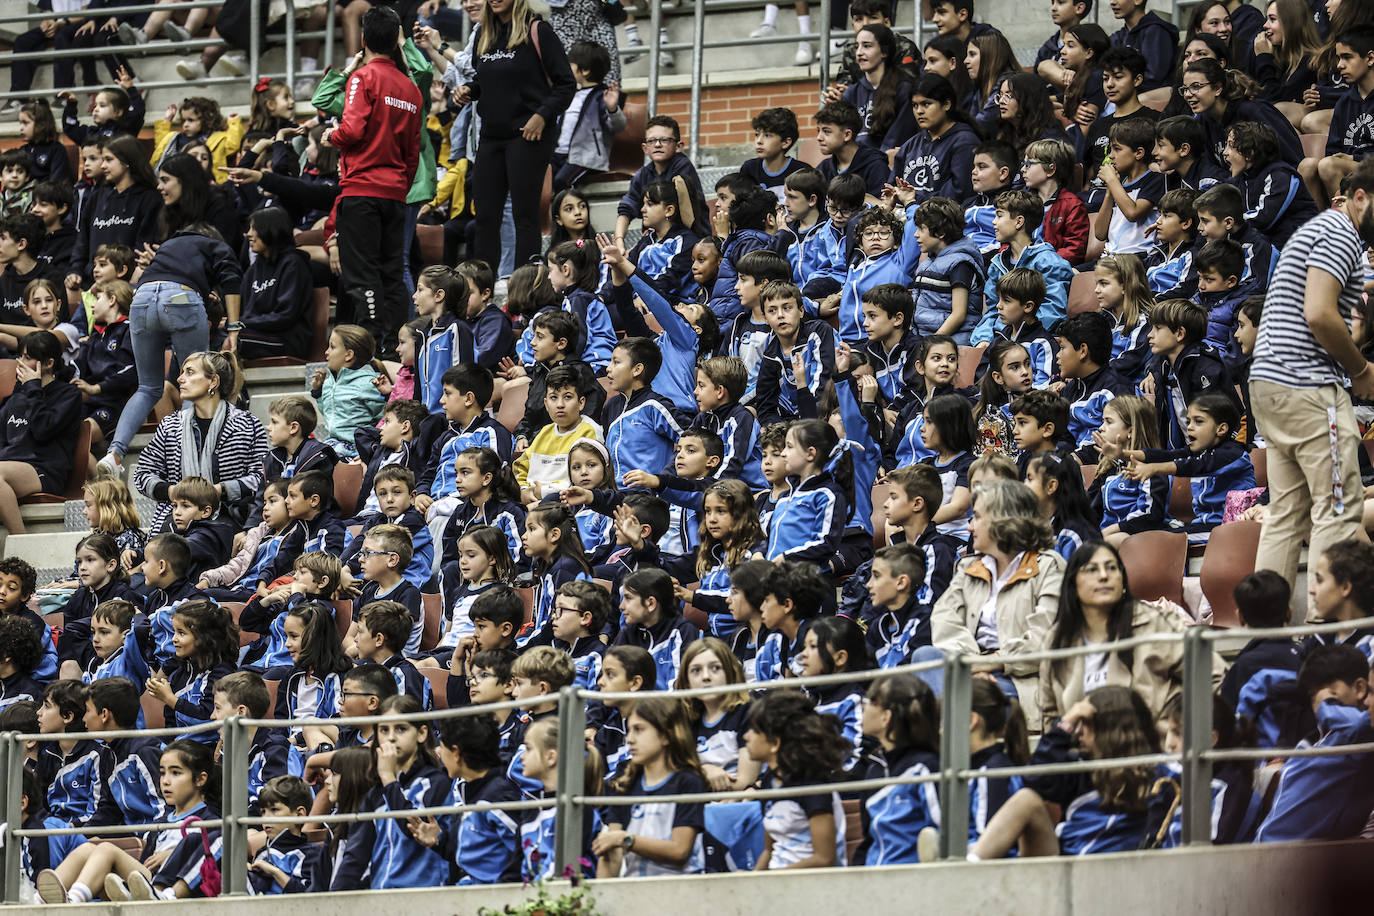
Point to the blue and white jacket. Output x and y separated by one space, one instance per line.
844 702
1087 397
678 345
1044 260
739 432
807 523
448 343
1039 345
1325 798
546 584
666 263
397 860
1214 472
1134 505
894 816
779 655
507 517
724 301
746 338
421 565
441 477
74 780
457 597
892 266
664 641
776 398
195 693
641 432
482 844
132 792
820 256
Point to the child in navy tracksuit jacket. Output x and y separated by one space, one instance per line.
641 425
106 359
808 523
736 424
652 622
281 463
743 238
680 341
665 164
1216 463
889 256
663 254
777 396
1276 200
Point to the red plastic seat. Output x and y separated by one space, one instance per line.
1155 563
1230 557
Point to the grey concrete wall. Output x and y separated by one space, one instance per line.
1311 880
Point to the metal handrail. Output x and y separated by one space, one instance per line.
107 11
569 800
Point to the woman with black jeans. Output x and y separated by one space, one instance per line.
523 84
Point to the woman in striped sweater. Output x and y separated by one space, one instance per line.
209 437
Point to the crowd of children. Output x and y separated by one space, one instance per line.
850 418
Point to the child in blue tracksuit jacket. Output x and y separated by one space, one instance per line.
748 217
1276 200
1327 798
448 343
1130 506
818 258
718 397
1039 257
778 394
641 425
653 622
130 791
1089 383
407 779
1216 463
889 256
73 778
809 522
678 343
663 254
574 275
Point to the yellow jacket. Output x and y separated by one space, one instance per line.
450 194
224 144
545 462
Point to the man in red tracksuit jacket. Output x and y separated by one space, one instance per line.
378 138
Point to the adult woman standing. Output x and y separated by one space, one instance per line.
169 310
209 438
1096 606
189 196
523 84
1002 598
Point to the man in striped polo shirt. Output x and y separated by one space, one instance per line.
1305 358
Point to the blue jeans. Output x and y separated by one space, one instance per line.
936 676
409 274
163 314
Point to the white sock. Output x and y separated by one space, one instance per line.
770 14
165 893
308 64
973 858
804 24
632 31
79 893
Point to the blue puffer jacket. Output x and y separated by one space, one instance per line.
1044 260
932 290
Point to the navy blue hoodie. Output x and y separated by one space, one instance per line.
679 165
938 167
868 164
493 339
1157 39
128 217
276 300
38 425
106 357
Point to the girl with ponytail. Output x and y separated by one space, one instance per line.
1219 98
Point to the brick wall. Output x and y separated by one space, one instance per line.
727 110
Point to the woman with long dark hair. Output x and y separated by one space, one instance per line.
1219 98
1096 606
1025 111
523 84
188 196
882 95
277 289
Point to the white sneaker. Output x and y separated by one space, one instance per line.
804 54
665 58
50 887
634 50
140 889
175 32
235 63
928 845
109 465
836 47
765 30
11 108
116 889
129 35
191 68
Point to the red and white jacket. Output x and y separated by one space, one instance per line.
379 133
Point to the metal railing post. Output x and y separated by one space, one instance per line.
572 762
698 41
655 22
12 771
919 29
956 705
234 858
290 46
328 60
823 30
1197 737
254 40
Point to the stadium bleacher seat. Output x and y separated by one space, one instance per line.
1155 562
343 616
1082 293
76 481
1230 557
438 685
319 336
348 483
1181 500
